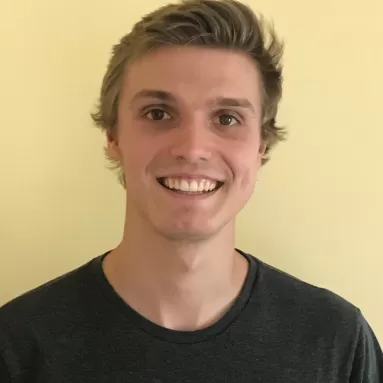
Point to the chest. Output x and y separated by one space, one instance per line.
140 359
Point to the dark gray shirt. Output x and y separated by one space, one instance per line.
280 329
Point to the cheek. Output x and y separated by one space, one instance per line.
134 150
246 163
247 179
139 160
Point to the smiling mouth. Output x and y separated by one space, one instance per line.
187 186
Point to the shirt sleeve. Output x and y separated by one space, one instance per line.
4 373
368 358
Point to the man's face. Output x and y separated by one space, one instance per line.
189 139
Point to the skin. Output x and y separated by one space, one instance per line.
193 112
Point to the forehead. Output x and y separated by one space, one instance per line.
194 74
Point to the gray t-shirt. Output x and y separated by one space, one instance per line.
76 329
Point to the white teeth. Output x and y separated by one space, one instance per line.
185 185
210 185
193 186
207 186
190 186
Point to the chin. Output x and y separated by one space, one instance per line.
190 232
187 237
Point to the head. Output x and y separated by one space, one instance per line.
189 104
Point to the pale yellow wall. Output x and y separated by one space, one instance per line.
318 209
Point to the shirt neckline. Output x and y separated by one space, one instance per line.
174 336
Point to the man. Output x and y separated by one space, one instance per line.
188 105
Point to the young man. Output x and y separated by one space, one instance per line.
188 105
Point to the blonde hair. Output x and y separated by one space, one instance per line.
226 24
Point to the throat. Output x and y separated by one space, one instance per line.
181 301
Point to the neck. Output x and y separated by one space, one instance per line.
176 285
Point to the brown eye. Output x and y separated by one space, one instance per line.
227 120
157 115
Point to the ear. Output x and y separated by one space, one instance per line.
112 149
262 149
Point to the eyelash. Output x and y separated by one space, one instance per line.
156 109
220 113
230 114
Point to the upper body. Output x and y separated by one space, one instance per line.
188 104
279 329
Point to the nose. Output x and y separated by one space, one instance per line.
192 142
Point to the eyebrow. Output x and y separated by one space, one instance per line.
234 102
168 97
153 93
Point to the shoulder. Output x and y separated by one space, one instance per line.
299 304
46 304
297 291
54 292
40 315
310 315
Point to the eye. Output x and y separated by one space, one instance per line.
226 119
157 115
